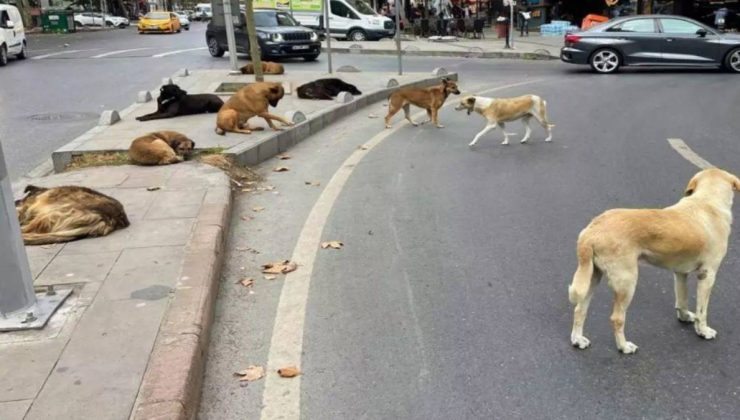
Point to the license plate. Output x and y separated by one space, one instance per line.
153 27
300 47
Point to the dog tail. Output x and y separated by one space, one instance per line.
543 112
584 273
31 238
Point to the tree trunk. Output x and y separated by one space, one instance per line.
254 46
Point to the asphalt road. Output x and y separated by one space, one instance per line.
449 298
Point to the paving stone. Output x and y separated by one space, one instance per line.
135 201
176 204
141 234
144 274
40 256
80 268
14 410
26 366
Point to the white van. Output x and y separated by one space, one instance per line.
203 11
12 34
354 20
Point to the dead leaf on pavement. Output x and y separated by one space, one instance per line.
284 157
153 188
257 209
270 277
332 245
247 218
246 282
281 169
372 116
279 267
252 373
267 188
313 183
289 372
363 147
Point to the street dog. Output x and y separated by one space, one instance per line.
249 101
174 102
64 214
326 89
160 148
689 236
431 99
268 67
498 111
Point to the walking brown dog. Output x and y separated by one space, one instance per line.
431 99
160 148
249 101
268 67
63 214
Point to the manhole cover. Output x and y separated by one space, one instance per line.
64 116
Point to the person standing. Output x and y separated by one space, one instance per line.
524 16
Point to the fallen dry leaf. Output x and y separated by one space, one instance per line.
313 183
283 157
247 218
267 188
372 116
279 267
270 277
289 372
332 245
363 147
153 188
281 169
252 373
247 282
257 209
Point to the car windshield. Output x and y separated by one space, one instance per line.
361 7
157 15
272 19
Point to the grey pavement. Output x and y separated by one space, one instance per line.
91 360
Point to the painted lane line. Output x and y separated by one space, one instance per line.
282 397
108 54
685 151
178 52
41 57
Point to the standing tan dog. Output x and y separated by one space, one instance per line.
160 148
63 214
689 236
268 67
249 101
500 111
431 99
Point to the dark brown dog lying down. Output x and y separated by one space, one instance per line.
160 148
63 214
268 67
326 89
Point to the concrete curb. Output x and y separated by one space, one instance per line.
461 53
172 382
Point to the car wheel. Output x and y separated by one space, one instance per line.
732 61
24 52
187 28
79 24
357 35
109 24
178 31
3 55
311 57
605 61
214 48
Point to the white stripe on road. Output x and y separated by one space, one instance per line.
688 154
282 397
41 57
108 54
178 52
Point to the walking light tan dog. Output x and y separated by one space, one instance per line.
431 99
500 111
689 236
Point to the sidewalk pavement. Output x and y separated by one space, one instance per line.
130 341
530 47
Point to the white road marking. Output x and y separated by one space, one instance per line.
282 397
688 154
178 52
108 54
41 57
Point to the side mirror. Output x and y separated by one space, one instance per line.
701 32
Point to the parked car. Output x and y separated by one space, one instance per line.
159 22
96 19
12 34
279 35
353 20
203 11
184 21
651 40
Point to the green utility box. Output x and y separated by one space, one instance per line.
58 21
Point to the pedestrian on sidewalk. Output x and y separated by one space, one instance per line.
524 16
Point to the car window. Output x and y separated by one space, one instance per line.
4 18
635 25
340 9
284 19
156 15
679 26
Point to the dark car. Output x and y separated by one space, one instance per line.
651 40
279 35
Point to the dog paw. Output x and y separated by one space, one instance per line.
548 139
628 348
705 332
580 342
505 143
685 316
523 141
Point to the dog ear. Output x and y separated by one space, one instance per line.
691 187
735 183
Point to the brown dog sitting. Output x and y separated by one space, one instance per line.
268 67
249 101
160 148
431 99
63 214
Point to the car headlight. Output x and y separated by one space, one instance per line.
263 35
277 38
314 36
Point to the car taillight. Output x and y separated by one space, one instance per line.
572 39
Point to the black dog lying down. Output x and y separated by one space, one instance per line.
325 89
173 102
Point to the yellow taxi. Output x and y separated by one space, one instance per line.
159 22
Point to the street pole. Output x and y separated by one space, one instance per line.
327 34
511 23
230 38
398 36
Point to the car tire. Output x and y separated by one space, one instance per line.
24 52
310 57
3 55
605 61
79 24
214 49
357 35
187 28
178 31
732 61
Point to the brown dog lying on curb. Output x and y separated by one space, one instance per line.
689 236
64 214
249 101
268 67
160 148
431 99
